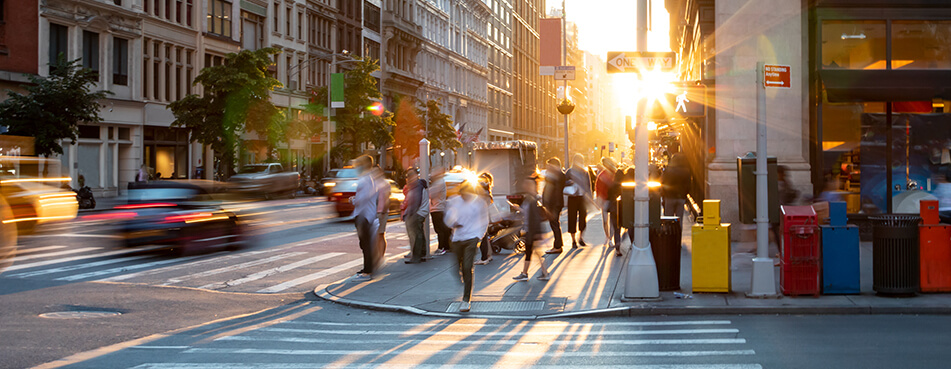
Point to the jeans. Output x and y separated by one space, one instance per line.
366 237
556 227
465 251
443 232
577 214
417 238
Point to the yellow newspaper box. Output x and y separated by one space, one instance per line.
711 212
711 257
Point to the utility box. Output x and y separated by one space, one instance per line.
746 186
840 260
711 251
711 212
800 251
934 247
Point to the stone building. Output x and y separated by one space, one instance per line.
533 108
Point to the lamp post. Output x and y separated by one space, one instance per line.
569 107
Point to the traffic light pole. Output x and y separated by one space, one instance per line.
564 61
641 280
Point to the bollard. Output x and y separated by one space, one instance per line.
935 250
711 251
840 253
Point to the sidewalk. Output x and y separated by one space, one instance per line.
589 282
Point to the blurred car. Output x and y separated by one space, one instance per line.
267 179
335 176
346 188
35 192
8 236
455 177
184 214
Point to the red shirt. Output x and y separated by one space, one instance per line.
603 184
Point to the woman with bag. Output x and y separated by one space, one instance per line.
485 183
534 215
578 191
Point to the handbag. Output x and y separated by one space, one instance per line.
572 190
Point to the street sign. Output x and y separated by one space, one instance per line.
777 76
635 62
565 73
684 100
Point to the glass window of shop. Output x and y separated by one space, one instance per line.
858 138
166 152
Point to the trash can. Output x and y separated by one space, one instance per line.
895 254
665 245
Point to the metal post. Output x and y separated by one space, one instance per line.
564 62
641 281
333 63
424 174
764 279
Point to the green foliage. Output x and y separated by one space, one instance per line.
236 99
440 132
54 106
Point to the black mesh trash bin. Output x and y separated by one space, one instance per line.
895 254
665 245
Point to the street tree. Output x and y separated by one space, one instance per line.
53 106
236 99
439 130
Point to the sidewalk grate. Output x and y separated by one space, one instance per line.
499 306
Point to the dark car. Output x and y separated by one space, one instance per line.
345 188
183 214
329 183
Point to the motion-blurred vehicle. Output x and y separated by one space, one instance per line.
267 179
8 236
36 192
346 188
184 214
335 176
455 177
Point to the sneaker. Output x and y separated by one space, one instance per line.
581 242
411 261
553 251
408 255
464 308
521 277
574 245
360 278
483 262
439 252
544 277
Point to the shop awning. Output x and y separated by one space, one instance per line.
886 85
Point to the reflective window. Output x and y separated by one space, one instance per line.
921 44
853 45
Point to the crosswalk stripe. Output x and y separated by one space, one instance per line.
229 268
80 257
272 271
70 268
51 254
125 268
428 366
451 324
473 352
311 277
500 333
686 341
123 277
37 249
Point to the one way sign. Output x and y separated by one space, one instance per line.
636 62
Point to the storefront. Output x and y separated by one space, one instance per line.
881 81
166 152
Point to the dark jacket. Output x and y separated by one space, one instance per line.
553 198
676 182
533 217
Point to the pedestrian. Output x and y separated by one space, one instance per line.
607 195
578 190
534 215
382 214
675 184
437 208
554 200
468 216
143 174
485 185
416 210
365 212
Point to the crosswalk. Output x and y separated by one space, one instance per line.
290 268
468 344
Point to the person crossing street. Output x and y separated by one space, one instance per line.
468 215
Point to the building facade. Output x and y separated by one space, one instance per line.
533 108
500 77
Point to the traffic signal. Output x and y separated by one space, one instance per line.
684 100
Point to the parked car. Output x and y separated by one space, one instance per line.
346 188
184 214
266 180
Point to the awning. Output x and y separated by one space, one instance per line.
886 85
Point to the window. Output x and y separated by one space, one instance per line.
189 4
372 20
372 50
91 50
59 42
219 17
120 61
853 45
300 26
920 44
2 18
178 11
287 20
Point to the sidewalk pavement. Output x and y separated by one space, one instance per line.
589 282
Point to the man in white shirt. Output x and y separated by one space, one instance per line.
468 215
364 203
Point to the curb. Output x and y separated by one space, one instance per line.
631 311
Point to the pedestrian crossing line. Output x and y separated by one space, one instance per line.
229 268
70 268
268 272
472 352
51 254
123 277
38 249
429 366
126 268
686 341
543 333
510 325
81 257
311 277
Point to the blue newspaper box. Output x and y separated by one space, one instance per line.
840 260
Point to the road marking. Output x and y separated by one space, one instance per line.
38 249
125 268
180 266
162 347
76 235
230 268
538 324
78 266
51 254
473 352
311 277
268 272
698 341
429 366
507 334
82 257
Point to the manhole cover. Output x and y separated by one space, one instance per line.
79 314
500 306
